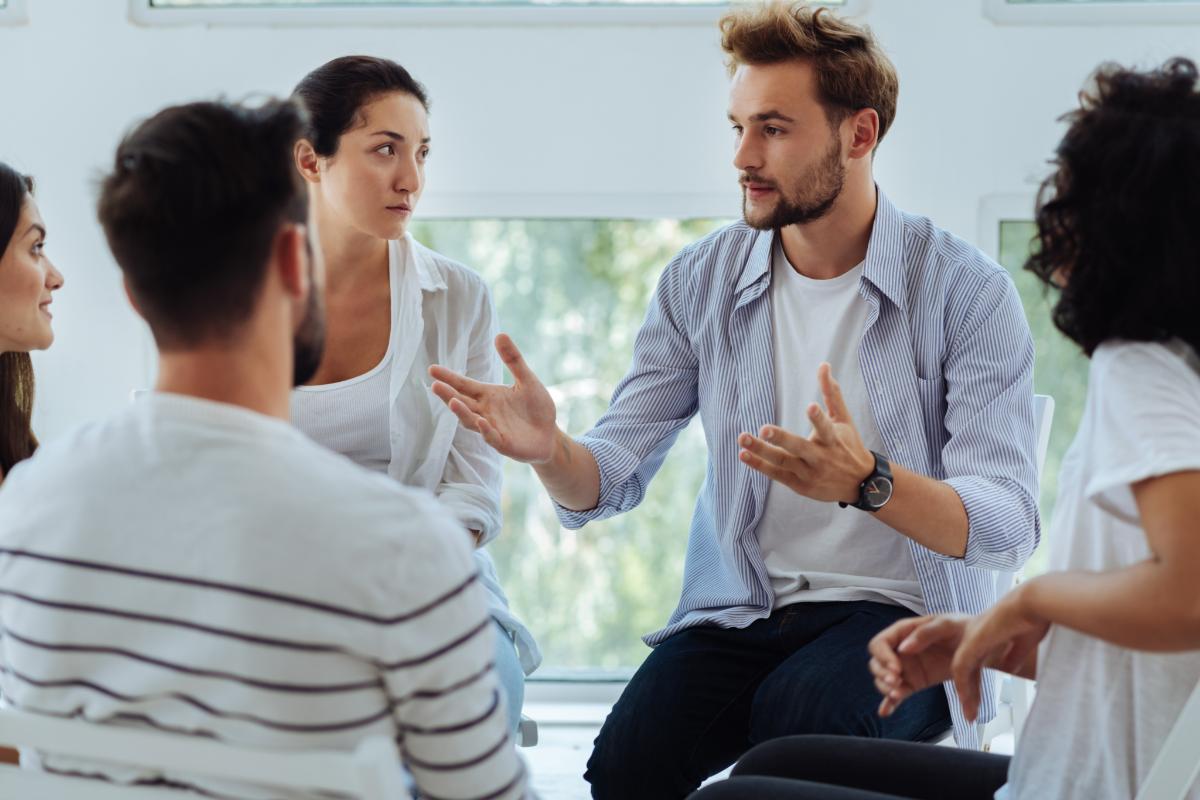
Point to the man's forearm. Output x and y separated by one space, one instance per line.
927 511
571 476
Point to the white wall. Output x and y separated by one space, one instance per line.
595 120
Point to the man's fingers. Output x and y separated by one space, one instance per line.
460 383
512 358
787 441
469 419
445 392
822 424
772 471
832 393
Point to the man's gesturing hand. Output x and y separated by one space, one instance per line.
829 465
516 420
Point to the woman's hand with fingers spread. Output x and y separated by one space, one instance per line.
518 420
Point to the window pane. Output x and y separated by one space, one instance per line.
398 3
1060 367
1093 2
572 294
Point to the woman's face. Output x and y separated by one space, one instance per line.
373 181
27 281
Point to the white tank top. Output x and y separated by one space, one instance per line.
349 417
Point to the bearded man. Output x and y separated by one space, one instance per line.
831 507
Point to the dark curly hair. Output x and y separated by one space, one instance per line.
1119 220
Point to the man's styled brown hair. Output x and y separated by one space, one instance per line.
852 70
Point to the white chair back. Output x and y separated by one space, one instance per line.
371 772
1174 770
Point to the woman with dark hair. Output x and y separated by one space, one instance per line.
393 308
27 283
1112 633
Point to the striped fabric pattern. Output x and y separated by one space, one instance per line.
947 358
233 580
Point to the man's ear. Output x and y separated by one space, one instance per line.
307 161
129 295
291 260
864 125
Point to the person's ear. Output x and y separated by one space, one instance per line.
291 261
864 128
308 163
129 295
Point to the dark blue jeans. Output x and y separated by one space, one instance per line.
706 695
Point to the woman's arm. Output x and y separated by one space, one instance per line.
1153 605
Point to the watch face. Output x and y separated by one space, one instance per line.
877 491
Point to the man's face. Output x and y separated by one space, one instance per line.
789 159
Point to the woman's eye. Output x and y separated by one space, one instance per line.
424 153
39 248
387 150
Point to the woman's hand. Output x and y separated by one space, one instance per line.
1006 638
518 420
914 654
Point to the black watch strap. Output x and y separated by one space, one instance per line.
876 490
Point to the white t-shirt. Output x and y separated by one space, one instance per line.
197 567
1102 712
814 551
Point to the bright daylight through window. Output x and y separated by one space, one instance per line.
572 294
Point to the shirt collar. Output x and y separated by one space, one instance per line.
884 267
411 252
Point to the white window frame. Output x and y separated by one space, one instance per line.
14 12
582 205
997 208
142 13
1108 12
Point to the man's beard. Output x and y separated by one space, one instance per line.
308 343
817 192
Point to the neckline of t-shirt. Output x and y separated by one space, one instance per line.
394 279
781 263
210 413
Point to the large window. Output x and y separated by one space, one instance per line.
1060 368
572 294
1082 12
414 12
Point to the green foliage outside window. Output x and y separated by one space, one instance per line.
572 294
1060 367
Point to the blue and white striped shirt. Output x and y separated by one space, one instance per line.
947 359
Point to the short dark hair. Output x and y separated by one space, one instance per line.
17 441
192 208
335 92
1120 216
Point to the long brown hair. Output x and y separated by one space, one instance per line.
17 441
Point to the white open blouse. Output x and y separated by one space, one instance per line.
442 314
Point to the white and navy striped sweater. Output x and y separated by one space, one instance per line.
195 567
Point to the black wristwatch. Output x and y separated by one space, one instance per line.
876 490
